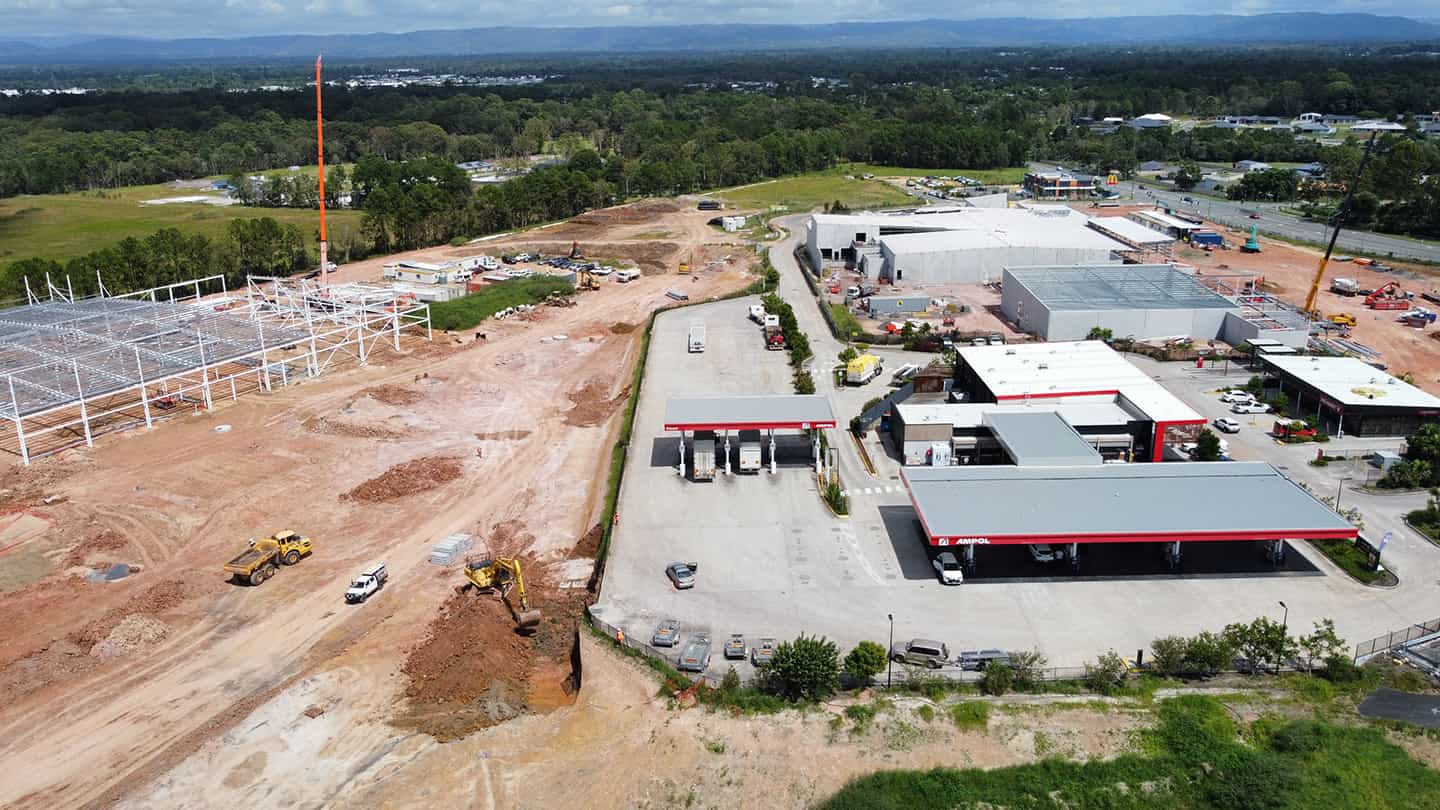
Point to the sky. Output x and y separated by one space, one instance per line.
30 19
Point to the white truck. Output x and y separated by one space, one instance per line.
1345 286
627 276
750 451
757 313
696 340
367 583
703 466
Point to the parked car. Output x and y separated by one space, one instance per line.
1237 396
948 569
1044 552
1226 425
1250 407
695 657
682 575
977 660
921 651
763 652
667 633
735 647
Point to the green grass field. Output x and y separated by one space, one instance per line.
1007 176
810 191
469 311
1197 756
63 226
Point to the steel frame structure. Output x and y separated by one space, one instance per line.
73 367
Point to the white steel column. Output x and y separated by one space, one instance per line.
395 324
772 451
19 421
682 454
84 415
144 396
816 442
727 451
204 369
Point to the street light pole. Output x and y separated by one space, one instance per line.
1284 633
889 654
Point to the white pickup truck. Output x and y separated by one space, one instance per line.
367 583
696 339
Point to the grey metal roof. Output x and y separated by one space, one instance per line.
740 412
1179 501
1123 286
55 351
1041 440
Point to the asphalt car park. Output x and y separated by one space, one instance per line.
772 562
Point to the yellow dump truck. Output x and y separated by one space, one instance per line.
263 558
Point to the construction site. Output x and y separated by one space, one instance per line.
153 433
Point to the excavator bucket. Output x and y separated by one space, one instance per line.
528 619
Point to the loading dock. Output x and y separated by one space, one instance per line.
723 415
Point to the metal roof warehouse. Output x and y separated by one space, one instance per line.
1347 396
1116 503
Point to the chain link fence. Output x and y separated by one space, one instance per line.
1397 639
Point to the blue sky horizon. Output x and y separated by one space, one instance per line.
38 20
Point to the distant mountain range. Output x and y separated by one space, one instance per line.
1204 30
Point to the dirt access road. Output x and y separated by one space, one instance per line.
111 687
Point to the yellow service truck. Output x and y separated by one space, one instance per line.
263 558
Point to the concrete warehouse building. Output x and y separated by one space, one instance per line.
1349 397
968 245
941 433
1073 373
1144 302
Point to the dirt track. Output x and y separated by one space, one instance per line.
186 663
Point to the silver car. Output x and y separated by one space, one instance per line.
667 634
921 651
682 575
695 657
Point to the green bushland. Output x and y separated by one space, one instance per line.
1195 757
469 311
970 714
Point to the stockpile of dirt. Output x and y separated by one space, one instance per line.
105 542
634 214
622 328
152 601
417 475
392 395
511 538
593 405
471 672
589 545
326 426
652 258
133 634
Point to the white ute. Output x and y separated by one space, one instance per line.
367 583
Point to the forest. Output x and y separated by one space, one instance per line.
660 126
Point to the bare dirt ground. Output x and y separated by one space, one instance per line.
984 314
113 688
617 745
1288 271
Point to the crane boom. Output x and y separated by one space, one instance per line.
320 150
1339 221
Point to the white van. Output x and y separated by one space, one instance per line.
904 373
627 276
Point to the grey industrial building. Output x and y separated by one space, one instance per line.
968 245
1140 301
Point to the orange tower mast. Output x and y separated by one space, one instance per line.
320 150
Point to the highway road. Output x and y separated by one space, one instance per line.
1285 226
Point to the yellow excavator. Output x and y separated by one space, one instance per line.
585 276
500 575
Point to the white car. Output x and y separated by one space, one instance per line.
1042 552
1226 425
1237 397
1250 407
948 569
